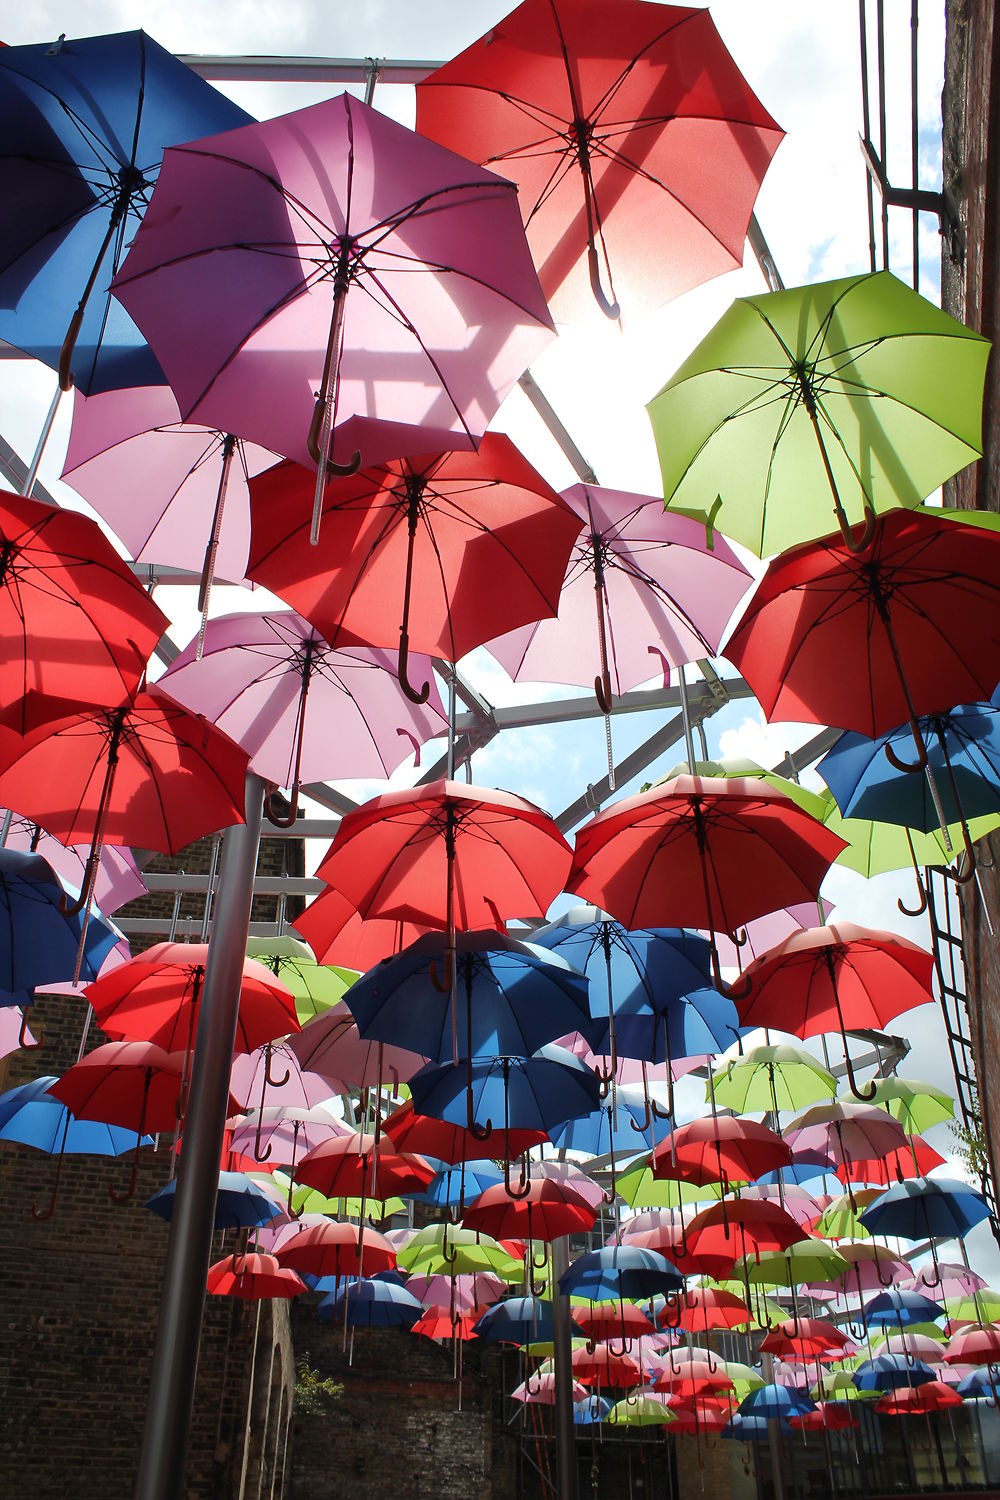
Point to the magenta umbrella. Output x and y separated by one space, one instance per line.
175 492
300 277
661 596
258 676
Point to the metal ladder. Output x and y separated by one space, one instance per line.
944 911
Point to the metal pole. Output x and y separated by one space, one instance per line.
43 437
175 1360
686 714
566 1486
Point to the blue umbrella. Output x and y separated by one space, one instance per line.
782 1401
619 1271
593 1133
371 1303
239 1203
590 1410
519 1320
511 998
38 941
890 1372
455 1186
85 123
527 1093
748 1427
938 1208
900 1309
30 1116
652 985
981 1385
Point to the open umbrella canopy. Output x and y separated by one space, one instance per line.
772 1078
330 1045
447 1141
338 934
897 1308
619 1271
133 1084
253 1277
240 1203
519 1320
916 1105
509 997
39 940
547 1211
806 1259
941 1206
85 122
349 1165
701 1308
597 111
372 1304
741 1229
31 1116
858 387
802 1339
717 1148
315 986
535 1093
891 1372
775 1401
329 1248
452 1250
374 267
931 1395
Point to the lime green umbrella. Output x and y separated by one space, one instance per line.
450 1250
840 1221
643 1411
772 1078
805 1260
315 986
819 406
983 1307
917 1106
874 848
813 803
744 1377
838 1385
640 1189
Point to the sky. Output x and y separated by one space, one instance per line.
803 62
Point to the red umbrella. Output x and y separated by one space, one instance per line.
739 1229
602 1367
156 997
456 546
802 1339
836 976
546 1211
698 1378
450 1143
604 1321
916 1159
679 855
440 1324
719 1148
869 641
337 934
599 111
834 1416
148 774
358 1165
702 1308
75 623
933 1395
978 1346
334 1249
256 1278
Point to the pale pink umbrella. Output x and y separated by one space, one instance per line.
799 1203
14 1031
299 277
630 1070
473 1290
540 1390
281 1133
956 1280
250 1081
303 710
566 1172
117 880
175 492
331 1046
768 931
912 1346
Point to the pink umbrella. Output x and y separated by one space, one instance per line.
13 1030
541 1390
473 1290
257 677
846 1131
630 1069
796 1201
767 932
176 493
338 934
251 1078
379 276
566 1172
662 597
330 1045
955 1280
117 879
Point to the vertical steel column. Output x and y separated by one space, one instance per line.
566 1485
175 1361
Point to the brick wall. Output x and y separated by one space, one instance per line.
79 1298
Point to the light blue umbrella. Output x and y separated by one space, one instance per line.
239 1203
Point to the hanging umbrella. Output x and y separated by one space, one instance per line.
89 118
510 997
930 1396
839 1220
875 848
240 1203
438 550
253 1277
624 1322
175 492
452 1250
916 1105
590 1409
39 938
681 853
938 1208
315 986
803 1339
330 1045
338 934
837 975
977 1346
117 881
603 1367
372 1304
887 619
700 1309
856 390
775 1401
540 1389
339 219
256 678
662 598
280 1133
596 111
334 1249
847 1131
915 1159
74 623
618 1272
547 1211
897 1308
891 1372
734 1231
720 1148
519 1320
772 1078
470 1290
353 1164
452 1187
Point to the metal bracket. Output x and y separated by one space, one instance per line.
921 200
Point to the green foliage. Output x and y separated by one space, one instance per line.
314 1395
970 1146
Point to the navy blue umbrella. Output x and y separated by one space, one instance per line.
900 1309
981 1384
890 1372
782 1401
511 998
84 124
619 1271
519 1320
30 1116
371 1303
931 1207
38 941
239 1203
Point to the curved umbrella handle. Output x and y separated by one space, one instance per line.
314 439
920 908
129 1192
278 819
963 877
443 985
412 693
602 692
865 1095
647 1122
274 1083
609 309
741 990
524 1185
604 1076
22 1038
258 1154
865 540
478 1132
902 765
611 1193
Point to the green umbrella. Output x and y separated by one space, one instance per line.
813 803
838 1385
817 406
640 1189
642 1411
874 848
840 1221
983 1307
806 1260
772 1078
917 1106
315 986
763 1310
449 1250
